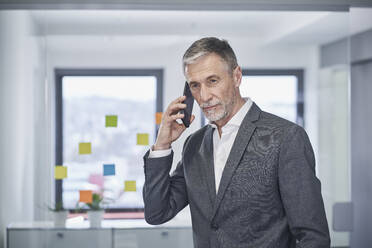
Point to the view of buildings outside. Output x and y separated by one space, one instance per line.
86 102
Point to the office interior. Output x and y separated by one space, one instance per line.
332 47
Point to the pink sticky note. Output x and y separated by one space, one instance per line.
96 179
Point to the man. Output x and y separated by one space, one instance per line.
248 176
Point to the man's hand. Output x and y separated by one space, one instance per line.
170 129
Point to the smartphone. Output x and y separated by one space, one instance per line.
189 104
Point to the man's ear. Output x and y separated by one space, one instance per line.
237 76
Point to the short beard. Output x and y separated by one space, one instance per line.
213 116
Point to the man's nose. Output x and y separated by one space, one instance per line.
205 94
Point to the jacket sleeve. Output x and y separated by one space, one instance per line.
164 195
300 190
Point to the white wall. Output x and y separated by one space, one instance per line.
166 52
20 69
27 95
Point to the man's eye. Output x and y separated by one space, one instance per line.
194 86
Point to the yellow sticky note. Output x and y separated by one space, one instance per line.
86 196
85 148
143 139
60 172
111 120
158 117
130 186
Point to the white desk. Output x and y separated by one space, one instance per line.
112 234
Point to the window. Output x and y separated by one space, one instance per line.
87 100
279 92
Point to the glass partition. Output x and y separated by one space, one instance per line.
360 123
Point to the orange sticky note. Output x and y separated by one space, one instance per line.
158 117
60 172
85 148
86 196
143 139
130 186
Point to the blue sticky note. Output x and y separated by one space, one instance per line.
108 169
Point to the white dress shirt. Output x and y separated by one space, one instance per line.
221 145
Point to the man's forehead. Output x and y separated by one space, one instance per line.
205 66
207 58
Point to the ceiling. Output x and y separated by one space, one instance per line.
257 27
186 4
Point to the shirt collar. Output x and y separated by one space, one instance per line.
237 119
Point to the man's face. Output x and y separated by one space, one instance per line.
213 86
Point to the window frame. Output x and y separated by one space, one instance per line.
59 74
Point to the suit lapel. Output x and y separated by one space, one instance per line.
208 163
241 141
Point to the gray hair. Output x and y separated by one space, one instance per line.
210 45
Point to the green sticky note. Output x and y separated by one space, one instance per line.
85 148
111 120
60 172
143 139
130 186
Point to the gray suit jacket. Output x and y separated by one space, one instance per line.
268 196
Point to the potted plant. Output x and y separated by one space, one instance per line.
59 214
95 212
